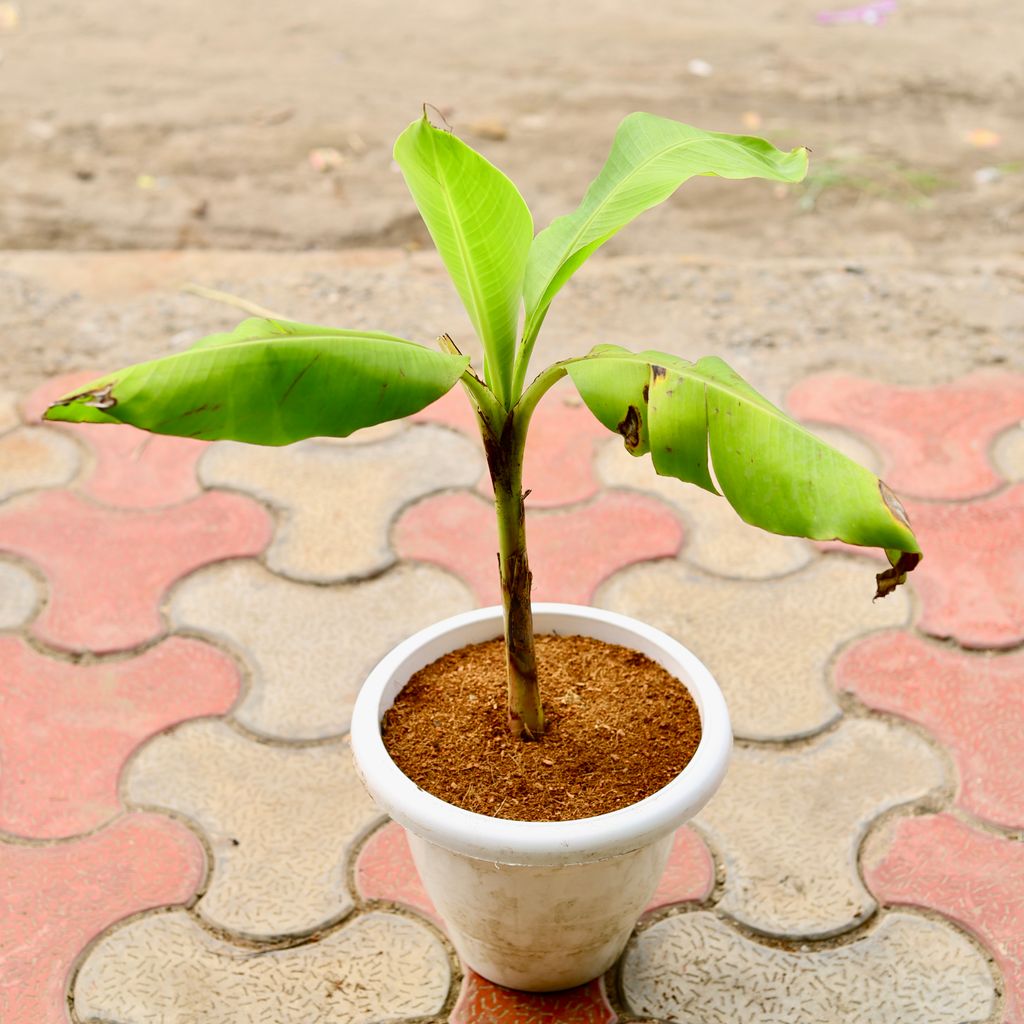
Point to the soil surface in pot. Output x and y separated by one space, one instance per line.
619 728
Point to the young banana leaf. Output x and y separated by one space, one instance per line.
702 423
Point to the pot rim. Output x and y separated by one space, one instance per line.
539 842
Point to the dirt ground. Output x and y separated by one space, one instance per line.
190 123
223 125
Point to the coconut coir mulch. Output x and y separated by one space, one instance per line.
619 727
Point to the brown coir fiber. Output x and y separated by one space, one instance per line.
619 727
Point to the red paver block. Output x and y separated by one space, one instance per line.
558 468
483 1002
934 441
571 551
134 469
55 899
385 871
971 581
974 878
66 730
109 568
973 704
689 873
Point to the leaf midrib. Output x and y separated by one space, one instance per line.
477 301
279 340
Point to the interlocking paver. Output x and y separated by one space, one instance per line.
108 568
972 703
971 581
767 643
689 873
55 899
571 550
934 440
787 824
717 540
67 729
337 501
482 1002
309 649
280 821
975 878
32 458
1008 454
558 467
19 595
9 418
132 469
694 967
165 969
385 871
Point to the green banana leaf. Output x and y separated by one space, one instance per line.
483 231
702 423
650 158
270 382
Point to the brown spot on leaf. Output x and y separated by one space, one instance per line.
629 428
646 393
658 371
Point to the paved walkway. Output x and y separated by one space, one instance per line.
183 629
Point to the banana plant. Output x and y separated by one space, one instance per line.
274 382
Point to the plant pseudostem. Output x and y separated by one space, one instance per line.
504 445
505 461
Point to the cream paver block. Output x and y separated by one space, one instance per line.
19 595
1008 454
368 435
718 541
788 823
9 418
768 643
33 457
336 502
280 822
908 970
166 969
309 648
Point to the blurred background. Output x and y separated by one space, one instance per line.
216 124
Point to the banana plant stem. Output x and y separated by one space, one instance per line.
504 437
525 712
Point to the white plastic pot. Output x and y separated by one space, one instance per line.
540 906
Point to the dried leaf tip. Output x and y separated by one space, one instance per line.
101 398
889 580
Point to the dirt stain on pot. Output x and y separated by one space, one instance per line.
619 728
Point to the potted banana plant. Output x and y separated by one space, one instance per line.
547 904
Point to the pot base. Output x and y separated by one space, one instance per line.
540 929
